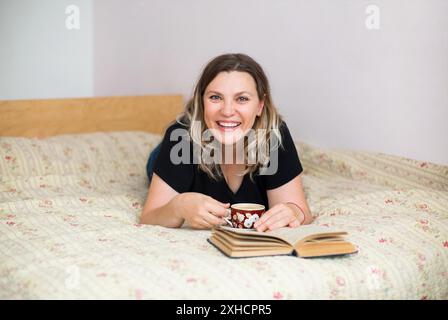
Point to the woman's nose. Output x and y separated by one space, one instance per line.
227 108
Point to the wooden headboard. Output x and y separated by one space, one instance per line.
43 118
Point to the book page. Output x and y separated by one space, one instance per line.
291 235
248 253
252 242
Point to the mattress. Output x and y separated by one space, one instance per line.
69 228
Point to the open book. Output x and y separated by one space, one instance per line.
304 241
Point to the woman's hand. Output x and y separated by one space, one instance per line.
280 215
201 211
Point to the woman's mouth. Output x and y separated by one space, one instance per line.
228 125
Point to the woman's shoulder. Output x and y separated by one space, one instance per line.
176 129
176 125
283 127
283 131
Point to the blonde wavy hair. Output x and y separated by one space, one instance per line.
270 119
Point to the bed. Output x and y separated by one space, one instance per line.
73 183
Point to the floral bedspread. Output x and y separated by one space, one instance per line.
70 205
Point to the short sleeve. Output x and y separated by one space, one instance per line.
174 161
289 165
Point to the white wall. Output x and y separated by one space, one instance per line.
39 56
337 83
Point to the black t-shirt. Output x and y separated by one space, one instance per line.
187 177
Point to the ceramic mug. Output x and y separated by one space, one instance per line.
244 215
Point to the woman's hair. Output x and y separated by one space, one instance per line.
270 119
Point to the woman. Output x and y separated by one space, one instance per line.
231 99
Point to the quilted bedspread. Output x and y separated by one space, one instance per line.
70 206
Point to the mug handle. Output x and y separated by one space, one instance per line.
227 219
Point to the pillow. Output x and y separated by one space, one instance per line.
75 154
373 167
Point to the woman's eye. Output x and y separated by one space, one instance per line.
215 97
243 99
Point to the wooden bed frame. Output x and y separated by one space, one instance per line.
49 117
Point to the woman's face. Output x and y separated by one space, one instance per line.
231 105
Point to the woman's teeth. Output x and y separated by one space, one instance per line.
228 124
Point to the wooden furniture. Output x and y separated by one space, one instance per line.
49 117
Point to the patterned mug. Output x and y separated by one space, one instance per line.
244 215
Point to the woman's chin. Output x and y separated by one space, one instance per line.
224 140
227 137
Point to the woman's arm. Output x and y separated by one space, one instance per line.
291 192
168 208
282 213
161 205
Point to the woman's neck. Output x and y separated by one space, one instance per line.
230 156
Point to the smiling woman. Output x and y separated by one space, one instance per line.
229 111
231 102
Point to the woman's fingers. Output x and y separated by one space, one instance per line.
205 220
281 222
294 224
276 217
203 224
217 208
225 205
213 214
210 213
212 220
267 215
272 222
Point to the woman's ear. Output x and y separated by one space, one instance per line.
261 106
